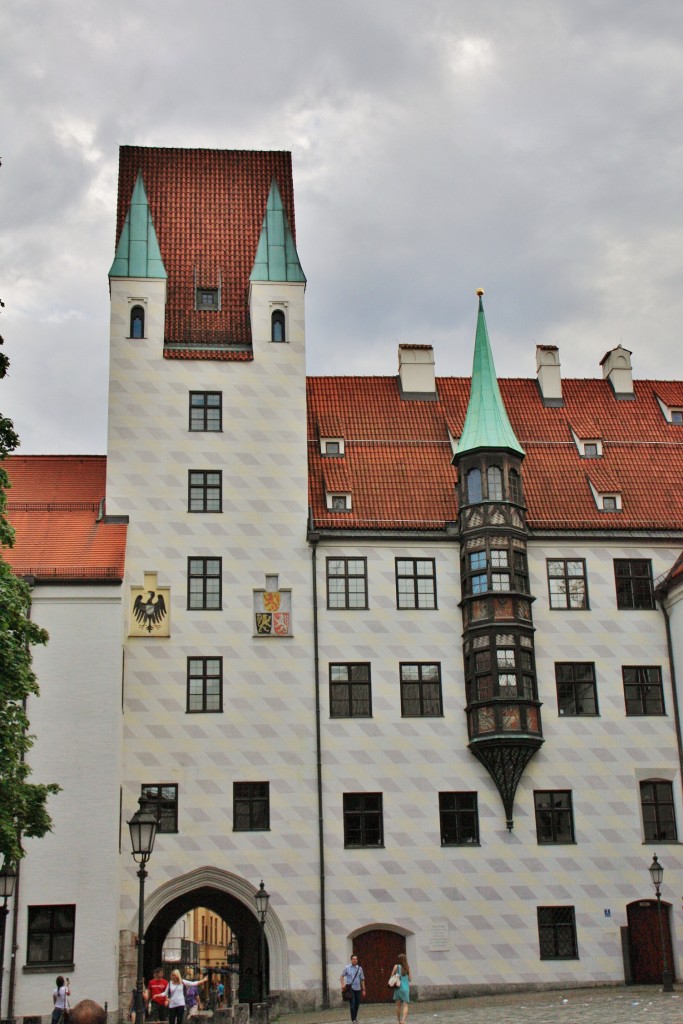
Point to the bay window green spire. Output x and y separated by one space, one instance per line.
486 423
138 253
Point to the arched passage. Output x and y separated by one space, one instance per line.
227 895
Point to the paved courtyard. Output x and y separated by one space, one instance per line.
615 1005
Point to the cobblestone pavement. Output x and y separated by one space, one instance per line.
615 1005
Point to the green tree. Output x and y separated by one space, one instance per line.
23 804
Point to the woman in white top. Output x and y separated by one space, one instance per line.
60 999
175 992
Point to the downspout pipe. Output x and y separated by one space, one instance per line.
674 687
313 539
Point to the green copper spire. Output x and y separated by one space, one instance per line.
276 256
486 424
138 254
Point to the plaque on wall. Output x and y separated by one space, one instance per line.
150 608
439 940
273 613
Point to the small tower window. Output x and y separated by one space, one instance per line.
515 484
208 298
474 486
277 325
495 484
137 322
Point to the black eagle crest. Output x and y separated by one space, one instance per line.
151 612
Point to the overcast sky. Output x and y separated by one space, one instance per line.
534 148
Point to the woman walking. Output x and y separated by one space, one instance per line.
60 1000
175 993
402 991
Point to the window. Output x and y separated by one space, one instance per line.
251 806
51 934
204 583
137 322
610 503
657 804
677 416
162 800
206 410
204 684
557 933
554 818
347 585
339 503
576 692
643 692
208 298
567 584
521 572
459 819
633 579
415 583
205 490
363 825
277 325
494 480
332 448
421 690
350 691
590 450
474 486
515 484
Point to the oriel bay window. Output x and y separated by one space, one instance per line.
501 683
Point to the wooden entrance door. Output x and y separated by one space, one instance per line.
377 952
645 941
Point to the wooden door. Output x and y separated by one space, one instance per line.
377 952
645 941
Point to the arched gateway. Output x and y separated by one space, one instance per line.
227 895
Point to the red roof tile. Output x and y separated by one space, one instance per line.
207 207
54 505
398 457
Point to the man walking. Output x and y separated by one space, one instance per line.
353 975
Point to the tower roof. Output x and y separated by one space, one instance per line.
486 423
276 256
138 254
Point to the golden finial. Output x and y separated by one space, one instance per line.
480 292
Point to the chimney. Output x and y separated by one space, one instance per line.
416 372
548 370
617 369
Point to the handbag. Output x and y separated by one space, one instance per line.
395 979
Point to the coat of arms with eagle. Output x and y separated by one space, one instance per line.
150 608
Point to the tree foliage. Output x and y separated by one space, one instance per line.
23 804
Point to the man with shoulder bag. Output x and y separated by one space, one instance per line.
352 982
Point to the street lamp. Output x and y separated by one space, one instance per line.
261 898
657 874
143 829
8 877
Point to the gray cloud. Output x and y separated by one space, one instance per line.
533 149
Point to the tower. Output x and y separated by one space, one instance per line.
503 709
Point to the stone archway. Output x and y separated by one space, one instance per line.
229 896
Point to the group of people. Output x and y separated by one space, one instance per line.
168 1000
352 982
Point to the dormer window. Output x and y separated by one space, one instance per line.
208 298
588 447
332 446
672 413
610 503
590 450
277 325
137 322
606 501
339 502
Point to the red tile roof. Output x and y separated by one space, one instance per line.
54 505
207 207
397 462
